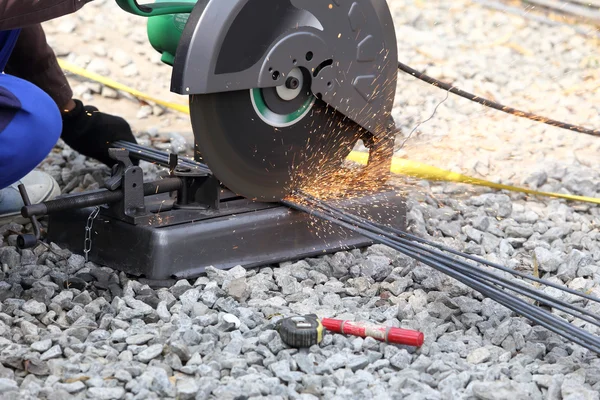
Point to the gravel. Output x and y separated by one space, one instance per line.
213 337
71 329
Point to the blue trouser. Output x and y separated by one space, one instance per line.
30 121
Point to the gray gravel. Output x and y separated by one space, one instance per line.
213 337
106 336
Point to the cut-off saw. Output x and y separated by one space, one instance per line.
280 92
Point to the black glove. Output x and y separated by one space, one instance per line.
89 132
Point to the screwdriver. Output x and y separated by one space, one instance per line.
307 330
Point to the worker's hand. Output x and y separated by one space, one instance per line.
89 132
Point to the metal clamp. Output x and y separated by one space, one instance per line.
129 179
118 170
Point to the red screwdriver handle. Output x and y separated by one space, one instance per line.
382 333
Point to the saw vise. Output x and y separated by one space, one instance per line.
280 93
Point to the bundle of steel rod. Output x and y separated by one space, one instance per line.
494 286
159 157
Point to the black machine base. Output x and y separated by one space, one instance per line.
239 232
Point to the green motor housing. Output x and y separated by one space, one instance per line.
164 32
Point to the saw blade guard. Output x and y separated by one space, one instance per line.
346 48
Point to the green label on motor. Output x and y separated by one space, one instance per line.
180 20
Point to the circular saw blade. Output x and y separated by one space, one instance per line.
264 155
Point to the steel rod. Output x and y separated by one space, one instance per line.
543 318
96 198
385 230
565 7
518 287
157 156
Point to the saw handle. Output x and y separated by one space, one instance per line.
25 241
154 9
96 198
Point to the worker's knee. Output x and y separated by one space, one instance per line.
33 129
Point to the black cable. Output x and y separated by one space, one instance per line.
494 105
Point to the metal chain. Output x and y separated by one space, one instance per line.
87 244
